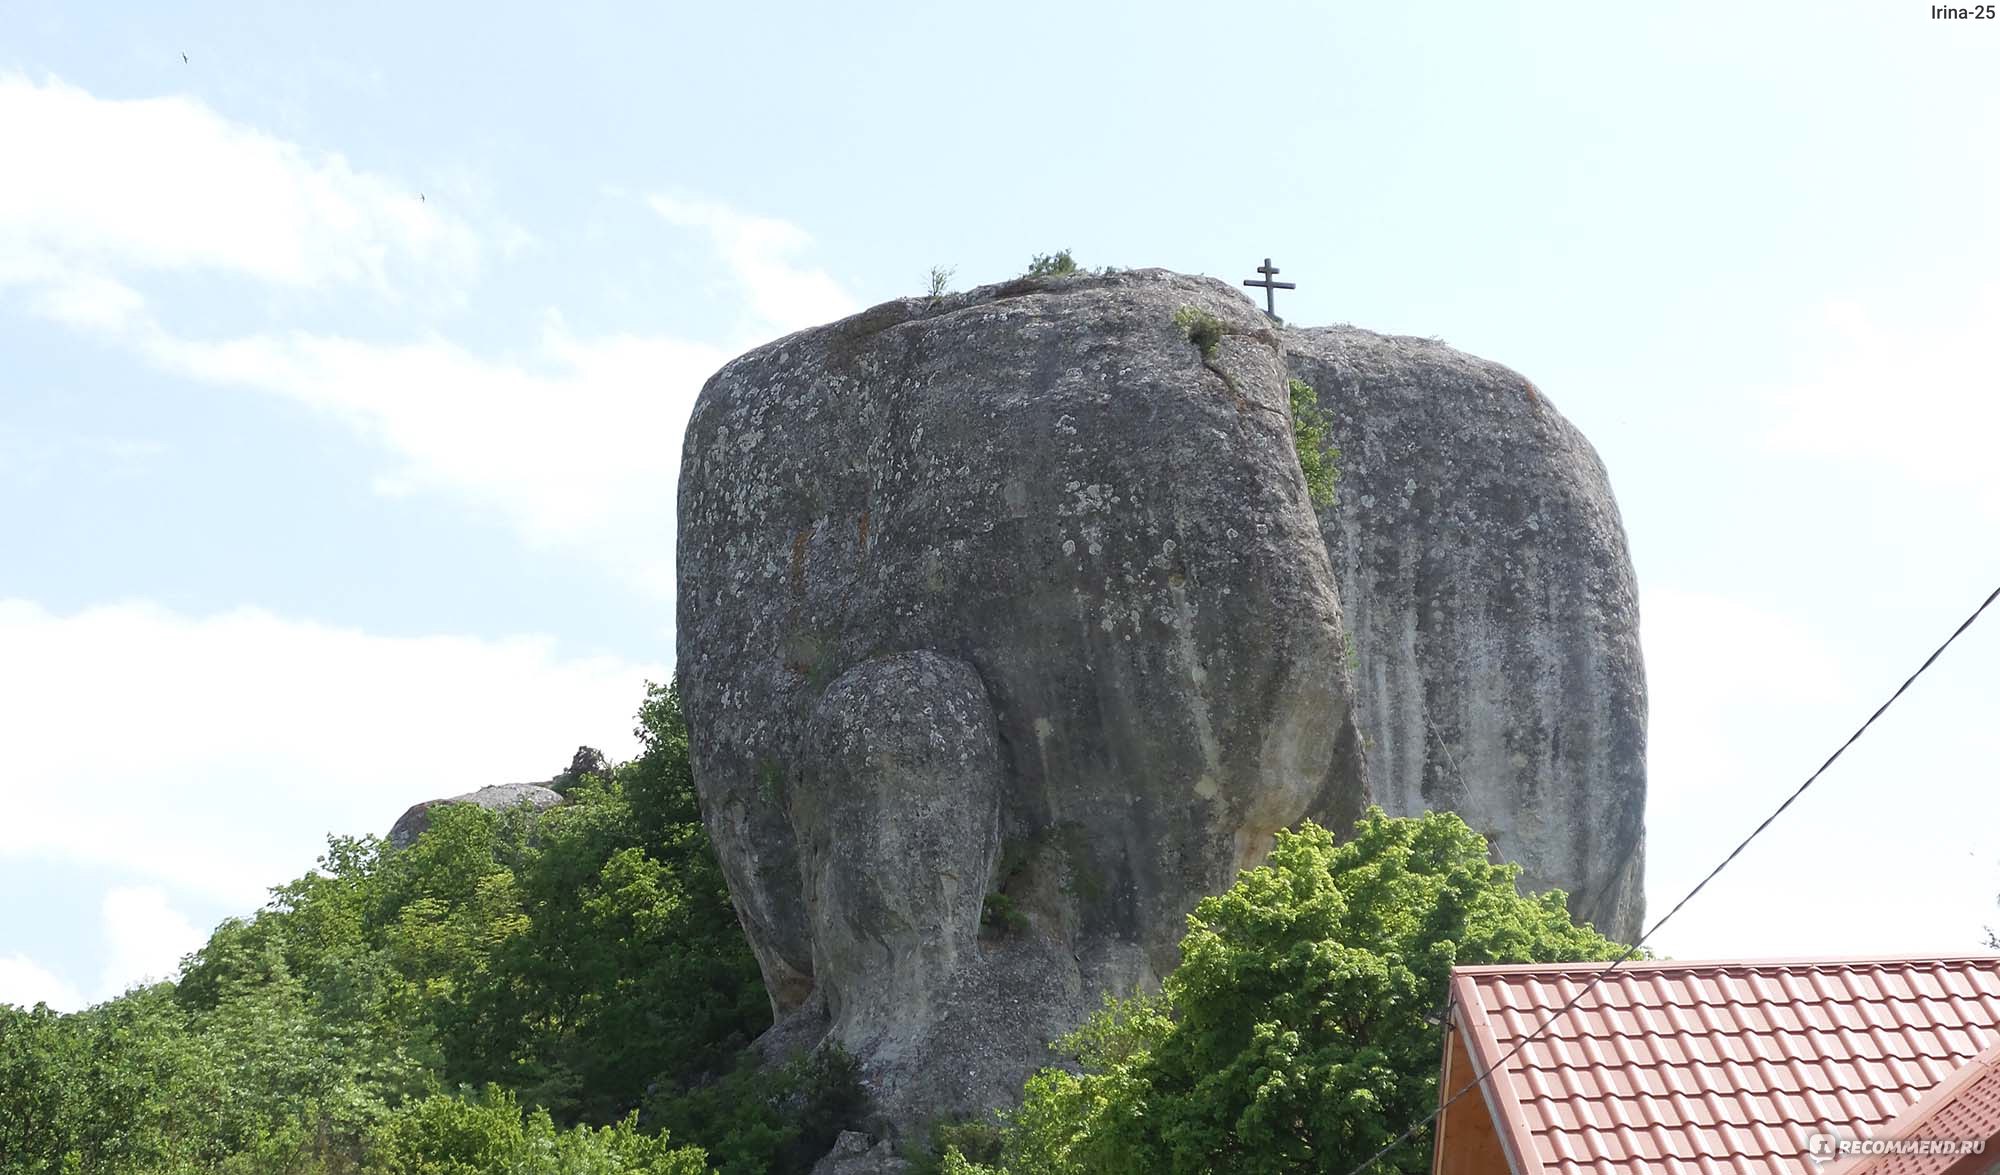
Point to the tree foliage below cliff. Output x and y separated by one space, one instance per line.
572 964
572 993
1300 1032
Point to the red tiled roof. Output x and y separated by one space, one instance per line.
1965 1105
1716 1067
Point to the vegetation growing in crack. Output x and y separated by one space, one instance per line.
1079 877
770 780
1000 915
1203 329
1318 459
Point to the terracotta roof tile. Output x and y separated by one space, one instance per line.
1727 1066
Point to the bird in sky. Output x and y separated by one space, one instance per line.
184 59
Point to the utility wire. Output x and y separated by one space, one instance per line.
1587 988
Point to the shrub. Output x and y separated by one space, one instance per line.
1203 329
1057 264
777 1120
961 1146
999 913
486 1132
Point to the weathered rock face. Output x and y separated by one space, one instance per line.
1484 575
1008 632
498 798
857 1154
1007 594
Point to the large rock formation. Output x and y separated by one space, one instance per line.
1008 631
1483 574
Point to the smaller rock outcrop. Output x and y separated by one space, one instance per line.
495 798
857 1154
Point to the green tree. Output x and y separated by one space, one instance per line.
120 1089
1298 1033
761 1120
578 958
40 1061
579 961
632 971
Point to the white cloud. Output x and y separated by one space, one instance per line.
145 937
581 449
89 302
1908 394
576 443
213 754
98 186
758 250
25 983
144 940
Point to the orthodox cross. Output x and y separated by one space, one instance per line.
1270 287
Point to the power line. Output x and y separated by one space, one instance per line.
1587 988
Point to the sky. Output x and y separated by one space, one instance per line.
345 352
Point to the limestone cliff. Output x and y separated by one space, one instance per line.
1483 574
1008 631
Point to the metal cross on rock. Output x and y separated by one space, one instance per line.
1270 287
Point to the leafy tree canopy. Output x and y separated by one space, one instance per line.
571 992
1300 1032
574 963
